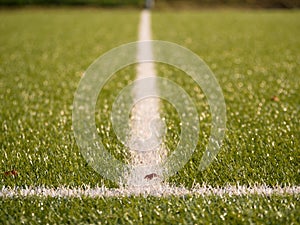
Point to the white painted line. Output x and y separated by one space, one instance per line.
146 151
159 191
145 33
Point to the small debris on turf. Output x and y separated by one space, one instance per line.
275 98
11 173
151 176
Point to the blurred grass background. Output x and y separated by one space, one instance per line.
160 3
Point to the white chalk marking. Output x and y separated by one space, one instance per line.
145 136
160 191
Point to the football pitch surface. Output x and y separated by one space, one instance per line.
255 58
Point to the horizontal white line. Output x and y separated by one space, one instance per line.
159 191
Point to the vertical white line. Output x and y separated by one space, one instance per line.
145 26
145 115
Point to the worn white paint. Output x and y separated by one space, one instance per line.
145 136
159 191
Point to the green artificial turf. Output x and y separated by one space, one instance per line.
254 55
153 210
43 55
